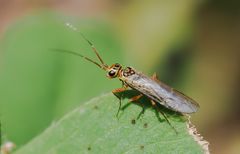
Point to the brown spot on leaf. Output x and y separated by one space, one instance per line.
89 148
133 121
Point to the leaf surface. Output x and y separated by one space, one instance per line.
94 128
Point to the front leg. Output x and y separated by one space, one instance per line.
119 90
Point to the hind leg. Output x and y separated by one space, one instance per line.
163 114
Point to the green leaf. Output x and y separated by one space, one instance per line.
34 80
94 128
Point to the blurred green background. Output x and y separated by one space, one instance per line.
193 46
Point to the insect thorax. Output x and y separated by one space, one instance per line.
128 71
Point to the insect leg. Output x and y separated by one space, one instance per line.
119 90
136 98
165 117
154 76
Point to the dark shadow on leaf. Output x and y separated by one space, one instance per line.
144 103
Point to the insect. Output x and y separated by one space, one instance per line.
151 87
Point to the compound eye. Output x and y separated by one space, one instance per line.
111 73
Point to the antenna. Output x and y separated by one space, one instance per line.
89 42
78 54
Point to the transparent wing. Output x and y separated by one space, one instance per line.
162 93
